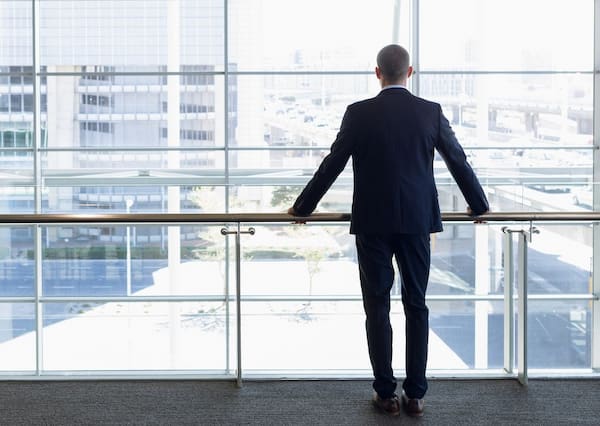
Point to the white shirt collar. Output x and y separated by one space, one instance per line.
394 86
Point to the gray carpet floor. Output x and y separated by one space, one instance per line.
323 402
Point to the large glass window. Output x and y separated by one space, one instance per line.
214 106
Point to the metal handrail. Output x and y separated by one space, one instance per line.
53 218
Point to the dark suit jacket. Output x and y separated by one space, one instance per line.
391 139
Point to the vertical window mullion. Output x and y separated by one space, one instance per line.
595 311
415 19
36 144
226 172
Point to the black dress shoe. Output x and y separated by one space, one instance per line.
414 407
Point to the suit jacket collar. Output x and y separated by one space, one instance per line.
393 89
394 86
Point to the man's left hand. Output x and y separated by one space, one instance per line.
292 212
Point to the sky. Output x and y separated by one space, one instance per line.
487 34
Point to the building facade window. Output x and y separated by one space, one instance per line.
101 127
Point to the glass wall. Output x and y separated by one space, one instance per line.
521 101
139 98
226 106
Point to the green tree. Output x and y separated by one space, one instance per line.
284 196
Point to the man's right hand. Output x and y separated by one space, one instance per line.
477 218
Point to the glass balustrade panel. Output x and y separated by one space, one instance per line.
17 265
559 335
17 337
137 260
95 337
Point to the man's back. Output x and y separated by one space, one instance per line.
392 139
393 151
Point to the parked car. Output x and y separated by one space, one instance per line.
583 196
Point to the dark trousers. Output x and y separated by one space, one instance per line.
412 252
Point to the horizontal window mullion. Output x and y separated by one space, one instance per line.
500 72
553 147
208 73
15 74
275 148
120 299
17 299
185 73
302 72
562 297
137 148
475 147
431 298
286 72
358 298
124 73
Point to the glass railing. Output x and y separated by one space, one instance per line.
255 295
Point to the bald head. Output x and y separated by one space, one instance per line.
393 62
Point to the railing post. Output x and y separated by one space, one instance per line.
522 298
509 328
238 292
523 238
39 312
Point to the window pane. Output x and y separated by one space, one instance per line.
16 261
16 196
131 34
297 110
121 197
559 334
290 161
259 195
17 336
124 111
317 260
144 164
135 336
301 337
555 109
530 130
521 179
319 337
105 260
311 34
560 259
506 35
15 33
467 335
4 103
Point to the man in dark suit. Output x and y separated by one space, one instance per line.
392 140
